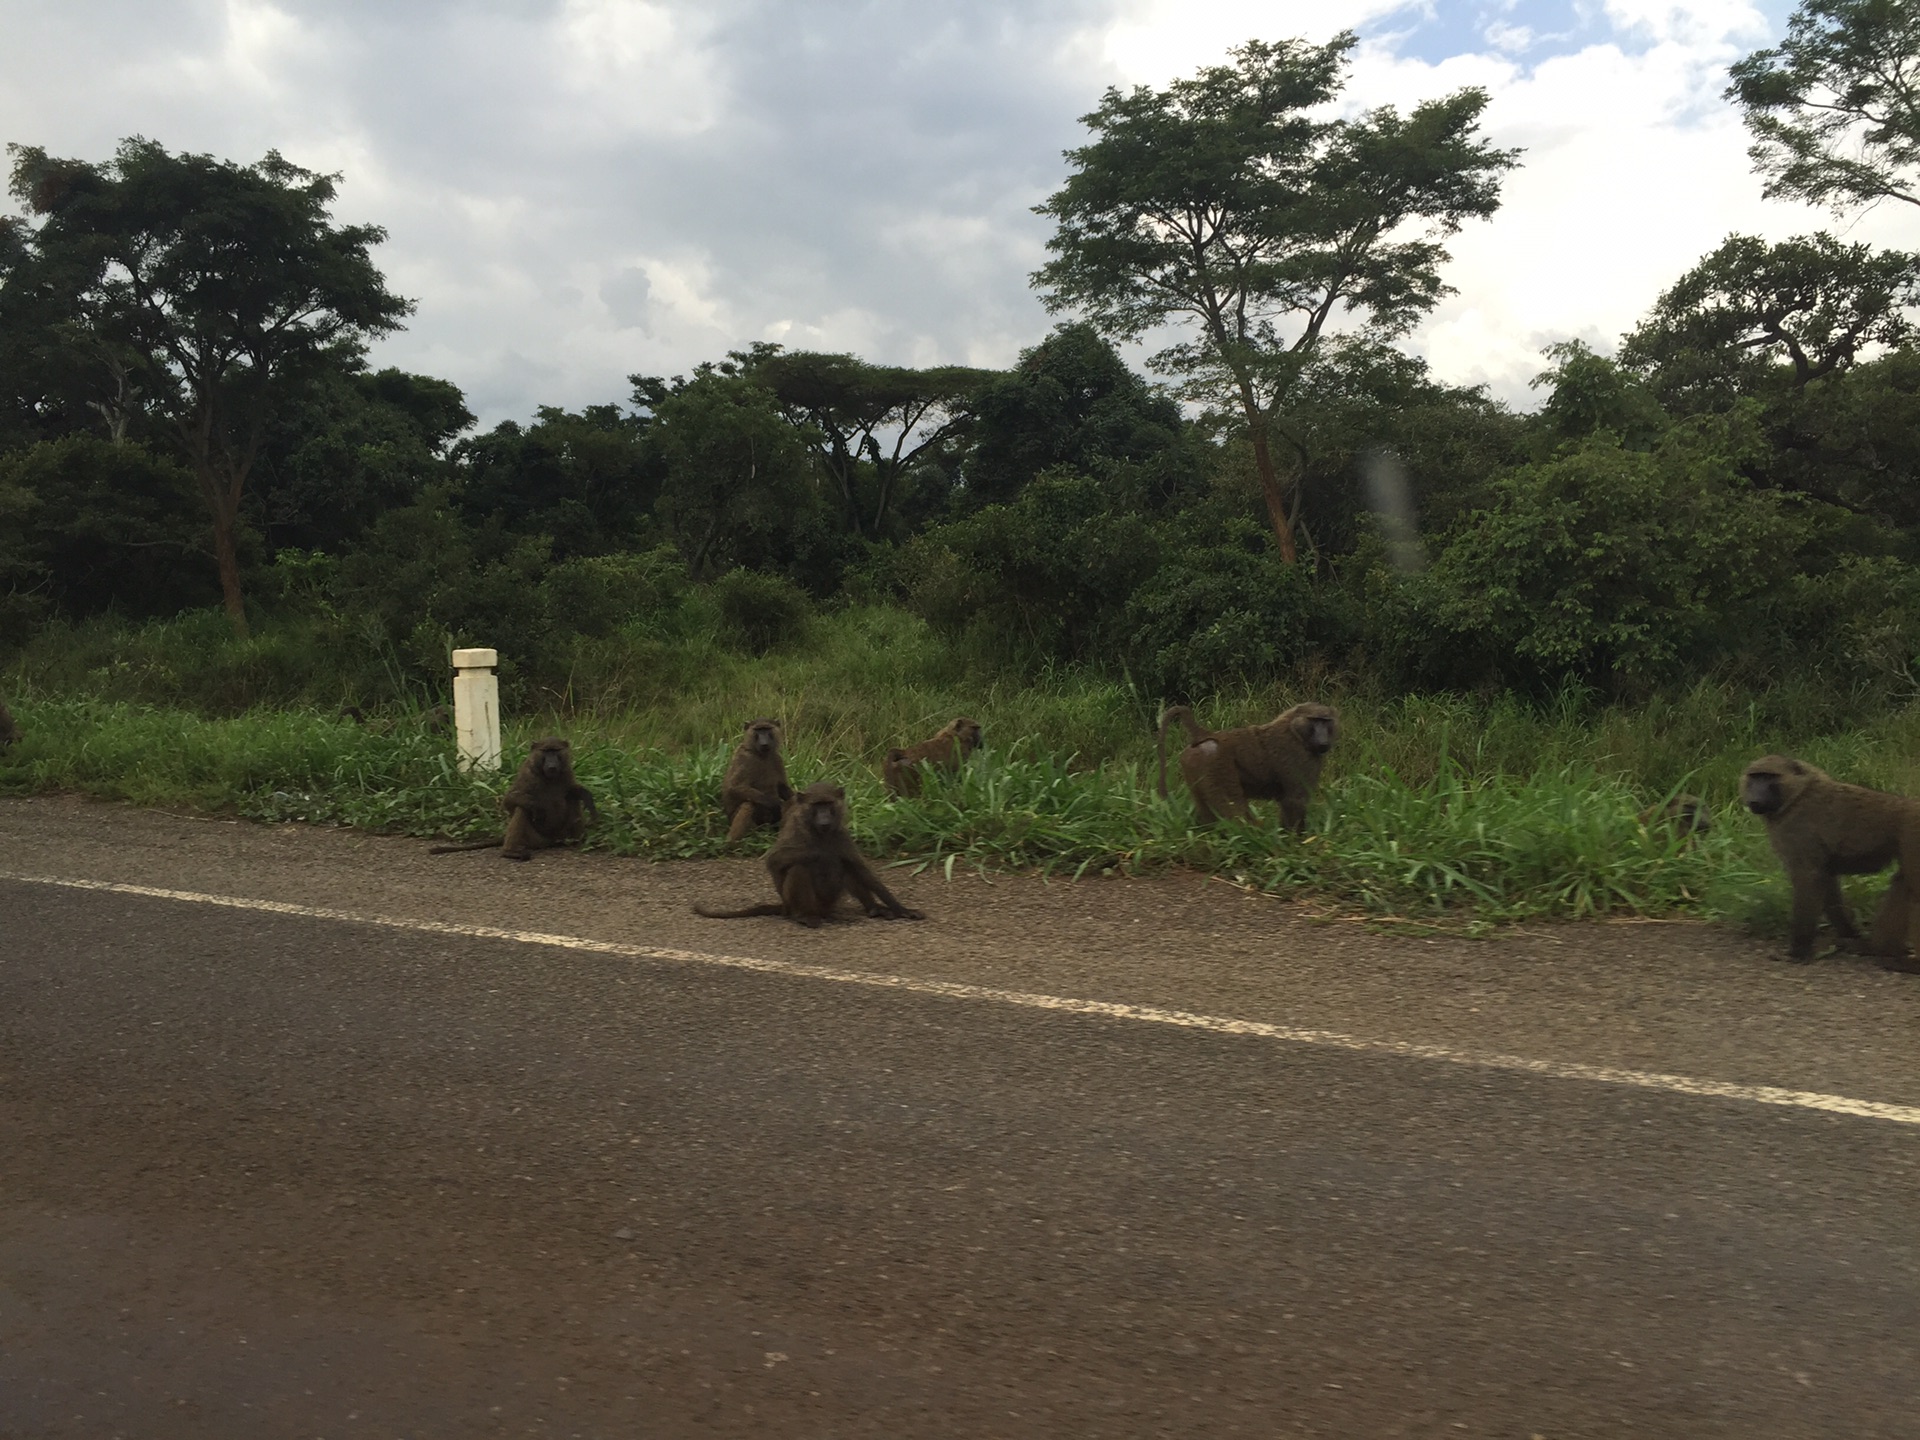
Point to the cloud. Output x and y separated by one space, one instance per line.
576 190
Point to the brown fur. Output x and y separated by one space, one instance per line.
956 741
815 862
9 729
755 789
545 806
1821 829
1688 815
1280 761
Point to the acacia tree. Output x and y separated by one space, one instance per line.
227 285
866 422
1229 202
1806 307
1834 109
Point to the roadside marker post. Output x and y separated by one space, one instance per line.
476 709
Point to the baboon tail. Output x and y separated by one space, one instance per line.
493 844
751 910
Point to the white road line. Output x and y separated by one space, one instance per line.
1104 1009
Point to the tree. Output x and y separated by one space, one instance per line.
1227 202
1752 312
1071 401
868 424
733 469
587 480
225 286
1834 110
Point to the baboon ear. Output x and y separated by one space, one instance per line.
840 792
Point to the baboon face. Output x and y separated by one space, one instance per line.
967 732
1768 784
553 758
1317 730
826 806
763 736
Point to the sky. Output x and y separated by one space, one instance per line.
578 190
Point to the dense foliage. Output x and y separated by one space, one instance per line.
1731 498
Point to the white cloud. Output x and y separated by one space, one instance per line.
579 189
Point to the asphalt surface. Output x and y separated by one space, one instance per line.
272 1175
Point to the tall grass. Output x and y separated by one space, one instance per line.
1435 808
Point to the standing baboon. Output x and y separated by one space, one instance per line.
9 731
755 786
1280 761
1822 829
1687 815
545 806
956 741
815 862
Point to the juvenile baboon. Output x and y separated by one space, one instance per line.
1821 829
815 862
956 741
755 786
9 730
545 806
1687 815
1280 761
437 721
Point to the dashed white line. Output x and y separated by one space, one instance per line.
1064 1004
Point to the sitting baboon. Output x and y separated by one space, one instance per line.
9 730
956 741
815 862
1280 760
437 721
545 806
1822 829
1687 815
755 787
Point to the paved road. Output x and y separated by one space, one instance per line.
267 1174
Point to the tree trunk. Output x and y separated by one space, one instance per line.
228 559
1270 487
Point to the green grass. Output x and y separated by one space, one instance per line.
1445 810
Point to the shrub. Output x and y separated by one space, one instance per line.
759 612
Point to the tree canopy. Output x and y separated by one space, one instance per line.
1229 203
1834 109
216 288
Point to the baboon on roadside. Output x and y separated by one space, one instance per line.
815 862
437 721
545 806
9 730
1280 761
755 786
1821 829
1687 815
956 741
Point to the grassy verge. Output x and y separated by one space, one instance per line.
1437 810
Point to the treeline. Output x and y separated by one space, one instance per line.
187 419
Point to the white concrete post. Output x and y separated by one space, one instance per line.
476 709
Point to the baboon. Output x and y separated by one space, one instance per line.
755 787
1821 829
9 731
1280 761
545 806
956 741
1687 815
815 862
437 721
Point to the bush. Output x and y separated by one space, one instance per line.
1610 567
1223 615
760 612
1052 571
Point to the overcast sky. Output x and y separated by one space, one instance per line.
579 189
